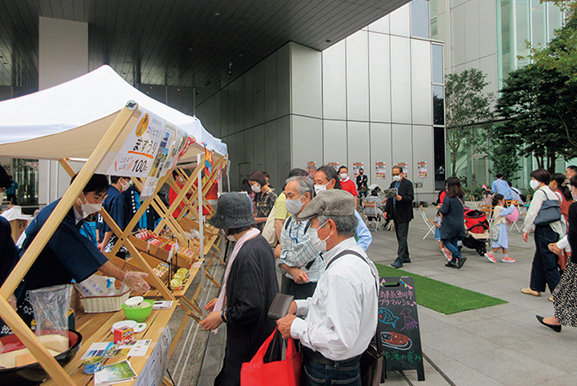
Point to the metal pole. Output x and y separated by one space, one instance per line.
200 224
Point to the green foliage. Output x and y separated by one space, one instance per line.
541 111
504 154
466 106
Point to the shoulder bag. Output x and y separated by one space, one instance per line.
550 212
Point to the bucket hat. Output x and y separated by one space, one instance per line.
232 211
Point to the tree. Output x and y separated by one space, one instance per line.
504 154
468 109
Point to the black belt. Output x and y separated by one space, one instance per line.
317 357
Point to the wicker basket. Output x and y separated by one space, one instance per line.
96 304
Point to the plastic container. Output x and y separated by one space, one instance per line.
139 314
96 304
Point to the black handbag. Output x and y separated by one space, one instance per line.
550 212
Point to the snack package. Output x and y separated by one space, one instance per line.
51 305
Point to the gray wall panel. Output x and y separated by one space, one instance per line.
335 142
306 81
421 93
402 149
400 21
380 152
334 82
358 145
400 80
380 77
358 77
306 139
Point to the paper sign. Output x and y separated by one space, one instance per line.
356 167
422 167
138 153
380 170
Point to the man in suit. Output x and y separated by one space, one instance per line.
400 209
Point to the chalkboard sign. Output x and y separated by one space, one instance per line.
399 337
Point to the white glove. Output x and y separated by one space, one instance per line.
135 281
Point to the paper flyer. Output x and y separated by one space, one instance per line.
356 167
335 165
380 170
422 167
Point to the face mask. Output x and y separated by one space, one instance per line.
534 184
255 188
88 208
124 186
320 188
294 206
396 178
344 176
319 244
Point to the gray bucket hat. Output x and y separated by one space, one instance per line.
232 211
334 202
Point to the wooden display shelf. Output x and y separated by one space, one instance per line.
96 328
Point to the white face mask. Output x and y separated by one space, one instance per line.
534 184
124 186
319 244
88 208
396 178
255 188
344 176
294 206
320 188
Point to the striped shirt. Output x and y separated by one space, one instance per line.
298 251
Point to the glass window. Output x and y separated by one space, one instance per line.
438 105
438 64
538 23
522 30
439 149
434 29
420 18
555 19
505 53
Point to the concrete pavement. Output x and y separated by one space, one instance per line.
499 345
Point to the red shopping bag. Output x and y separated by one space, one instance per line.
286 372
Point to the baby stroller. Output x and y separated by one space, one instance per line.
477 231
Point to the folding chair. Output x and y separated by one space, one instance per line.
430 223
373 214
516 204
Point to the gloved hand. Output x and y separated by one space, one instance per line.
135 281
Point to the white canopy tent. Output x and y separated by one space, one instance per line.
70 119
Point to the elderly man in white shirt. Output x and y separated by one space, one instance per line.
341 316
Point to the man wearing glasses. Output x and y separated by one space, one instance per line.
299 258
68 254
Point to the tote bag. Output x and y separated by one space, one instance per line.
549 213
286 372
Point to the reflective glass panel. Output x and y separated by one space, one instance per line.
420 18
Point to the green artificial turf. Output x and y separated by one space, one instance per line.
442 297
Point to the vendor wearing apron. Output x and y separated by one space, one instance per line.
68 254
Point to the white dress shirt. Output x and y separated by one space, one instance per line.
341 316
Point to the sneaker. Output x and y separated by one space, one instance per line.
491 257
507 259
461 262
447 254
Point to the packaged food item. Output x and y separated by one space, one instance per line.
93 365
123 335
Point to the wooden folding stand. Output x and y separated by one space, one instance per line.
126 119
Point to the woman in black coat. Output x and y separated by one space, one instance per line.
453 224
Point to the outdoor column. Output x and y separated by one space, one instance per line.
63 55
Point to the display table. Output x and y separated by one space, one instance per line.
96 328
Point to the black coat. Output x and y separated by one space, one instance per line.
453 224
250 289
401 211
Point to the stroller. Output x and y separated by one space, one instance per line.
477 231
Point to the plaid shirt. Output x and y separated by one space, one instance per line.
298 251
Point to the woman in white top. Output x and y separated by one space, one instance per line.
544 271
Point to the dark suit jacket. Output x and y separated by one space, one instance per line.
401 211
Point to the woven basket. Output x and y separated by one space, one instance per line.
97 304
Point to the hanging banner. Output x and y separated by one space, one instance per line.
335 165
356 167
380 170
138 153
422 167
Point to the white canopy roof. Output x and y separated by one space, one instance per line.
70 119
